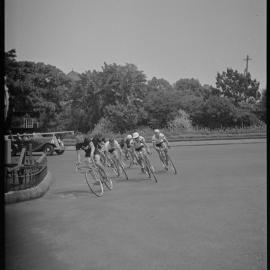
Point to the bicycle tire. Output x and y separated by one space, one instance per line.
131 159
123 170
163 157
149 168
113 166
105 179
94 182
171 165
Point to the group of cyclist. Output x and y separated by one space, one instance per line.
98 149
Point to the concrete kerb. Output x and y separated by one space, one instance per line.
30 193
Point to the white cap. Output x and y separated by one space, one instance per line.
156 131
129 136
135 135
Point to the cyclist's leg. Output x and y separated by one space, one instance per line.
135 156
139 158
116 157
98 163
165 149
141 153
159 152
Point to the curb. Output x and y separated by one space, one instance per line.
30 193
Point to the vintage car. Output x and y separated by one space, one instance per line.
47 143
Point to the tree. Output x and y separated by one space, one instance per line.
216 112
161 107
35 87
237 86
122 117
111 86
188 87
159 85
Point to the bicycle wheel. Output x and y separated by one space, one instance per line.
123 170
93 182
149 168
113 166
131 160
105 179
163 158
171 165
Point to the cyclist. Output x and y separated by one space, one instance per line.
88 148
160 142
91 148
139 144
128 148
113 147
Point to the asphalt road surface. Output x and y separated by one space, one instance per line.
211 215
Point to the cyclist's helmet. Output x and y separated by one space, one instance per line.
135 135
129 137
157 131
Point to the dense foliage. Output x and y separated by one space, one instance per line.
120 98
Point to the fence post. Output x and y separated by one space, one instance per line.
7 151
30 154
21 159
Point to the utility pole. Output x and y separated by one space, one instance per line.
246 69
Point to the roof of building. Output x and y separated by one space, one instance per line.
73 75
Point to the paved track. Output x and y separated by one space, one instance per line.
212 215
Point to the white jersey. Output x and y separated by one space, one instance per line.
109 147
160 139
138 143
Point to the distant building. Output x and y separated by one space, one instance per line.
27 122
74 76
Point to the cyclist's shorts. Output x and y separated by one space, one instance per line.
88 153
139 148
78 146
159 144
111 150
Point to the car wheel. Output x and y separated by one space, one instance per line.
59 152
48 149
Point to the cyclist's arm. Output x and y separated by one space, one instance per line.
92 150
167 142
117 145
146 146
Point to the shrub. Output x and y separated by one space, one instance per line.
216 112
246 118
181 121
103 127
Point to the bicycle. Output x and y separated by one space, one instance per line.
149 169
117 166
95 177
131 158
169 160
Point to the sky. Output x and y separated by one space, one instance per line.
169 39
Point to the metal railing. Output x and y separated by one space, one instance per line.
19 177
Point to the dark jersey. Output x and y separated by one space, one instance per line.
97 143
128 142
